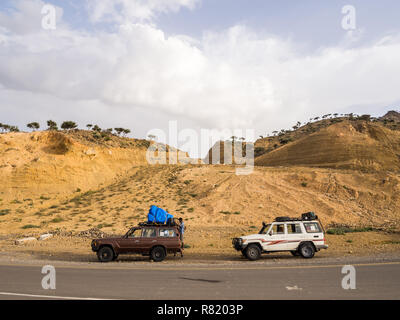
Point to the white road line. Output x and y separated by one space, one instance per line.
47 297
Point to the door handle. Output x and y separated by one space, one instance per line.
316 236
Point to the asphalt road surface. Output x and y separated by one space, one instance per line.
373 281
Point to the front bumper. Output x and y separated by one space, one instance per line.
237 244
95 246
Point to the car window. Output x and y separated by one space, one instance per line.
135 233
149 233
264 229
312 227
167 233
278 229
293 228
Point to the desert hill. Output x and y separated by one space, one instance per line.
391 116
348 144
297 146
58 163
223 152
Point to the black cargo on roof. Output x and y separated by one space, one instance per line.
304 217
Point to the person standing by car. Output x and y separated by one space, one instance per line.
181 232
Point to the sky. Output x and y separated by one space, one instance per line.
258 65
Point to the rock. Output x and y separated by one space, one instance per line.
24 240
92 233
45 236
90 152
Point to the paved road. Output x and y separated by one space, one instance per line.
373 281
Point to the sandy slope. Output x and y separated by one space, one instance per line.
52 164
214 196
348 144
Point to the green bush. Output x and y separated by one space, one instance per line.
29 226
104 225
3 212
344 230
57 220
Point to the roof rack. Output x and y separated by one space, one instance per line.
284 219
308 216
153 224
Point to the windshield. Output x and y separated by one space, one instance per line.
134 233
264 229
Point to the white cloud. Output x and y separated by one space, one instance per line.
134 10
234 78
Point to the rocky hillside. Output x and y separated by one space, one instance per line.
391 116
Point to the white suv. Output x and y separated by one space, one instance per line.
302 236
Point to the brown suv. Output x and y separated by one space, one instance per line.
149 240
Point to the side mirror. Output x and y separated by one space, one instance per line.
270 233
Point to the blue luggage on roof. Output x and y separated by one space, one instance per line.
158 215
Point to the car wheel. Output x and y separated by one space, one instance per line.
253 252
307 250
158 254
105 254
115 257
295 253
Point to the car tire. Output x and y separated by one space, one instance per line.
105 254
253 252
115 257
307 250
295 253
158 254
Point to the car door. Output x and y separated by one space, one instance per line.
294 235
275 237
131 241
148 240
